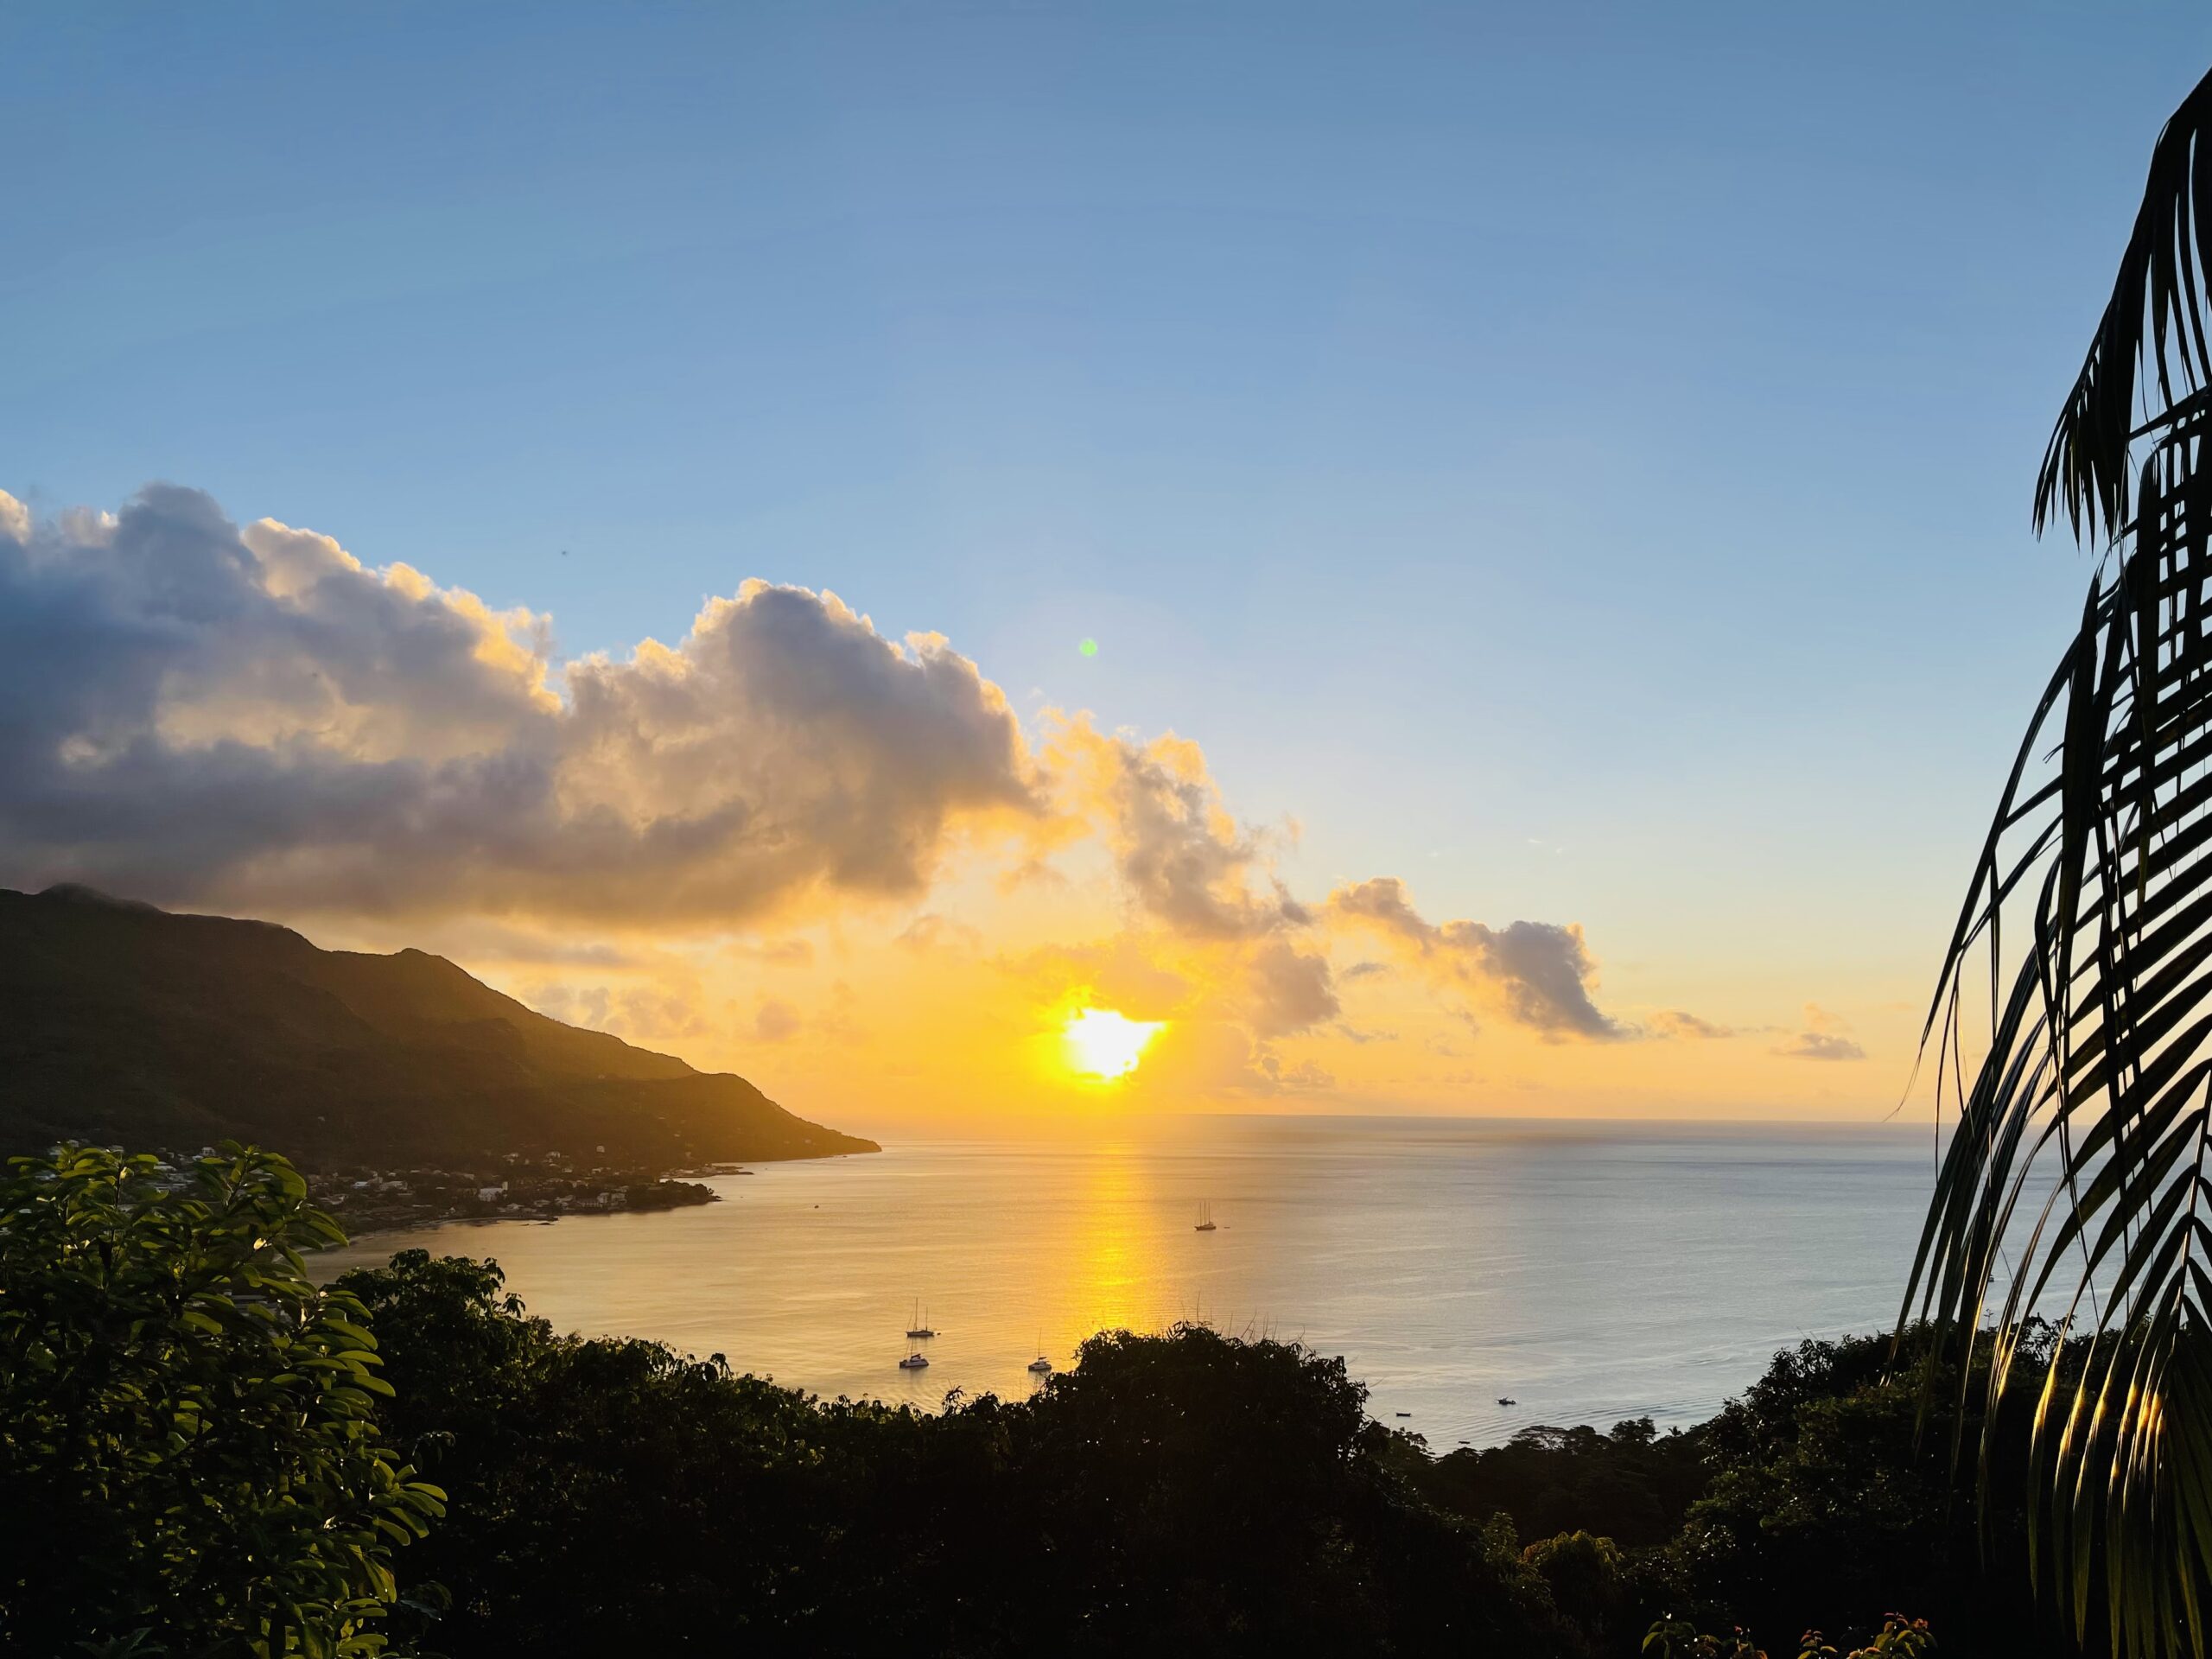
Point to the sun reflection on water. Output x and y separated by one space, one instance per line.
1108 1260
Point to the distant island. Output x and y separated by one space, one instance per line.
123 1023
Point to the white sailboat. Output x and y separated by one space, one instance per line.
917 1329
1042 1366
913 1362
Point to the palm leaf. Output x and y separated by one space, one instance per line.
2080 1166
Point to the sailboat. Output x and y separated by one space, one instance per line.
916 1330
1205 1220
913 1362
1041 1365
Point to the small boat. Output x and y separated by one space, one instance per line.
1507 1400
1405 1414
1040 1365
1205 1220
916 1330
913 1362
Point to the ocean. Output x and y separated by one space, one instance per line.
1588 1271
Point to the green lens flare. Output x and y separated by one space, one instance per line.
1089 647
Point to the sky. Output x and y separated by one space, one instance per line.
619 496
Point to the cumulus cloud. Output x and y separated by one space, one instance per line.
1825 1038
1537 973
252 719
1184 860
1201 1057
190 711
1291 990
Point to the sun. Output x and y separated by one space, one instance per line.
1102 1044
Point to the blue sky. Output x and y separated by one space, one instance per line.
1575 457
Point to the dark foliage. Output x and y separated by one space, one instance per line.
1633 1486
197 1444
1832 1501
1821 1498
609 1497
1185 1489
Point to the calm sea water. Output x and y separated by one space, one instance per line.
1590 1271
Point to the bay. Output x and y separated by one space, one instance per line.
1588 1271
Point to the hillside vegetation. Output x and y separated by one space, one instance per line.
204 1453
122 1023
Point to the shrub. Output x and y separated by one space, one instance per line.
189 1461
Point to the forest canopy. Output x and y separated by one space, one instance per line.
201 1453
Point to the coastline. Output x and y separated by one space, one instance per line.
542 1191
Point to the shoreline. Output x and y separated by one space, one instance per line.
632 1193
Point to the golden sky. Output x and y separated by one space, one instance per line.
842 864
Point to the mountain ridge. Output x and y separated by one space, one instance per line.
121 1022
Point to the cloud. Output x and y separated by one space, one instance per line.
1211 1057
1121 974
1183 860
1824 1039
190 711
1821 1046
931 932
649 1015
840 1019
775 1022
1290 990
251 719
1537 973
479 941
1290 1076
773 953
1674 1022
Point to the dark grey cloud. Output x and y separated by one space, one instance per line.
191 712
1538 973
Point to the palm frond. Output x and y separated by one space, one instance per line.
2159 290
2080 1163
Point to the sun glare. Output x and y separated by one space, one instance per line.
1105 1045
